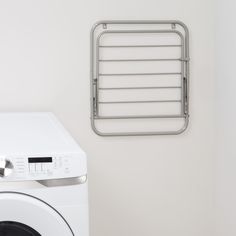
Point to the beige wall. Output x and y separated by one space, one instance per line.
226 87
138 186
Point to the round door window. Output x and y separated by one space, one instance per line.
26 215
11 228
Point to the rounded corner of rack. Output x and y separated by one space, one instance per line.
101 35
183 25
179 34
94 128
185 126
96 24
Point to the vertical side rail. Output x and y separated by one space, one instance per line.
186 71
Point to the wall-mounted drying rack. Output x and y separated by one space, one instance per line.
139 78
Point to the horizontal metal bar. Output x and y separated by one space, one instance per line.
137 74
141 32
138 117
140 46
145 59
141 22
150 101
121 88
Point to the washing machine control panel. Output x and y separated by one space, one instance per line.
20 168
48 165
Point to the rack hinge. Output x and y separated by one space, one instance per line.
95 97
185 96
186 59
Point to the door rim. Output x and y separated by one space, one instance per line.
42 201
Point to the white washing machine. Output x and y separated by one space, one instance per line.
43 178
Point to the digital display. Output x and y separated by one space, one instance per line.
40 159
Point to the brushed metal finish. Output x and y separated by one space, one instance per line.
64 182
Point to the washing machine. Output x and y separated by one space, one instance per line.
43 178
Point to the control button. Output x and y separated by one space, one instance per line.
55 165
32 168
6 168
43 167
60 163
67 170
38 167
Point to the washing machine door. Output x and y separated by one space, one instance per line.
25 215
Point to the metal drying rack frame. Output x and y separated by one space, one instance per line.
95 74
